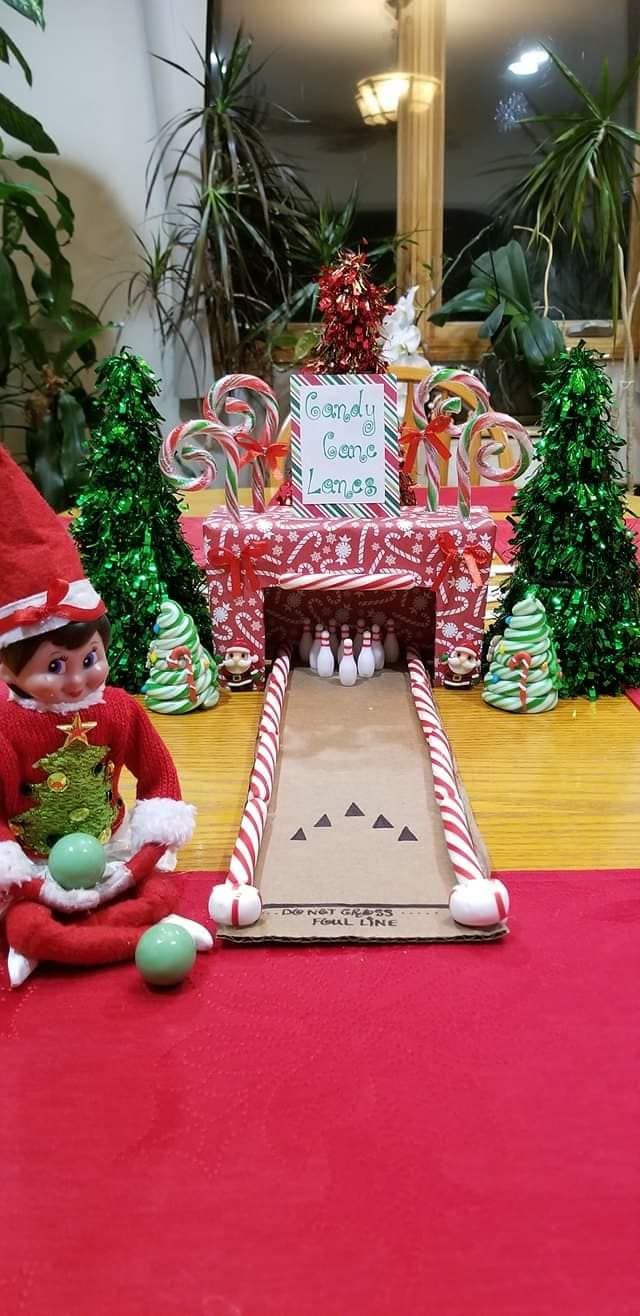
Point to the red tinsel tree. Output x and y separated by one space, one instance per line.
352 308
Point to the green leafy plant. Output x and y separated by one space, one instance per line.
500 292
46 336
581 180
228 253
318 238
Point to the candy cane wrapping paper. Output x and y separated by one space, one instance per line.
485 900
337 556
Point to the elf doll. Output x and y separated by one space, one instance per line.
65 737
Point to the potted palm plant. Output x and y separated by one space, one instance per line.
580 183
225 262
523 338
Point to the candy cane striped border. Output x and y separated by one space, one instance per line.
462 853
244 859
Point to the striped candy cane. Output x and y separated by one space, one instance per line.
236 903
474 428
220 399
427 403
522 660
181 658
244 859
268 738
456 828
349 580
478 900
177 448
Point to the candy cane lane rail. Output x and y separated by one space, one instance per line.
236 903
478 900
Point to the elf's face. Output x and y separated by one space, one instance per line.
55 675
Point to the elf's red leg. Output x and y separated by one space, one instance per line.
153 898
37 932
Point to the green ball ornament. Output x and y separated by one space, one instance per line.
77 860
165 954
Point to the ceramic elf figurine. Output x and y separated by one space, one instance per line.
524 675
65 737
182 675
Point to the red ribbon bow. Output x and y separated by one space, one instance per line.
52 607
241 568
436 427
271 454
473 557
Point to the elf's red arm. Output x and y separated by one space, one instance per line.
160 815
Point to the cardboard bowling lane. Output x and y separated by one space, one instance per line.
353 848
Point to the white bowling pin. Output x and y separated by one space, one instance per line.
348 671
315 648
377 646
357 641
344 635
391 646
325 665
306 640
366 660
333 636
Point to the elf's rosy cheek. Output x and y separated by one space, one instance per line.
96 675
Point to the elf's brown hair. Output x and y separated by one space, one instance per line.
72 636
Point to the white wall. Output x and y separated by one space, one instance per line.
101 97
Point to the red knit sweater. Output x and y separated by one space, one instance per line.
118 724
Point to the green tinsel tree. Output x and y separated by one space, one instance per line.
573 549
128 526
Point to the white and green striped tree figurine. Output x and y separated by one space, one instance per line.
524 674
182 675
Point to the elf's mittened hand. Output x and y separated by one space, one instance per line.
117 879
77 901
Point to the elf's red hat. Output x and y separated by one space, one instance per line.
42 584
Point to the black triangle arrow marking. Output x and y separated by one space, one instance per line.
299 835
323 821
354 811
381 821
407 835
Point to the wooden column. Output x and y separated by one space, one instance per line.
420 165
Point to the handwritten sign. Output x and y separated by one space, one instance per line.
344 445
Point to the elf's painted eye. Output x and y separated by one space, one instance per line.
56 666
90 659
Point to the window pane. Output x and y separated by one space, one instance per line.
316 51
486 147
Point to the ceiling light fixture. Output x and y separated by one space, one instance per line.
529 62
378 98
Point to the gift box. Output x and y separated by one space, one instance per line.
429 571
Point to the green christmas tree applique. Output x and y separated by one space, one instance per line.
76 795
